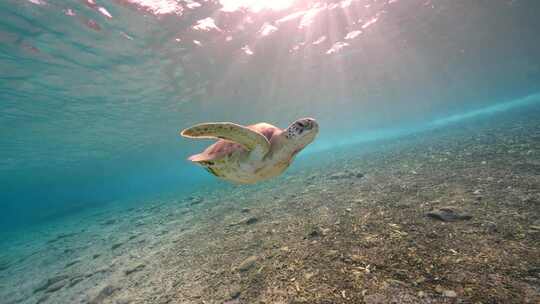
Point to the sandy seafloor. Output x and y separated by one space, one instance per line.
346 226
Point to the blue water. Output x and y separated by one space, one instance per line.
94 93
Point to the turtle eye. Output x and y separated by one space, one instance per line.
306 124
300 124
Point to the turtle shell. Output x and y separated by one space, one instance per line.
224 148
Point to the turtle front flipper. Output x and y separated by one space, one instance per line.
251 140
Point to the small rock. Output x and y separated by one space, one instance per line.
134 269
420 280
346 174
247 263
154 207
44 298
357 258
75 281
106 292
448 214
309 275
432 235
251 220
315 232
56 286
339 175
449 293
376 298
332 253
51 281
104 269
235 292
165 299
72 263
4 265
246 221
114 246
95 256
66 235
397 283
109 222
491 227
478 194
245 210
194 200
534 227
534 271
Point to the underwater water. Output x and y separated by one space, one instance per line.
422 185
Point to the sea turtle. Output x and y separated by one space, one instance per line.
248 154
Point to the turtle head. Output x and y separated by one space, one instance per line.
302 132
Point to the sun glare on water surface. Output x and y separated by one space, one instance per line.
255 5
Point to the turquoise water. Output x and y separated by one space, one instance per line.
94 93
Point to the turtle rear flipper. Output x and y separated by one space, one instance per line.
208 165
251 140
197 158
